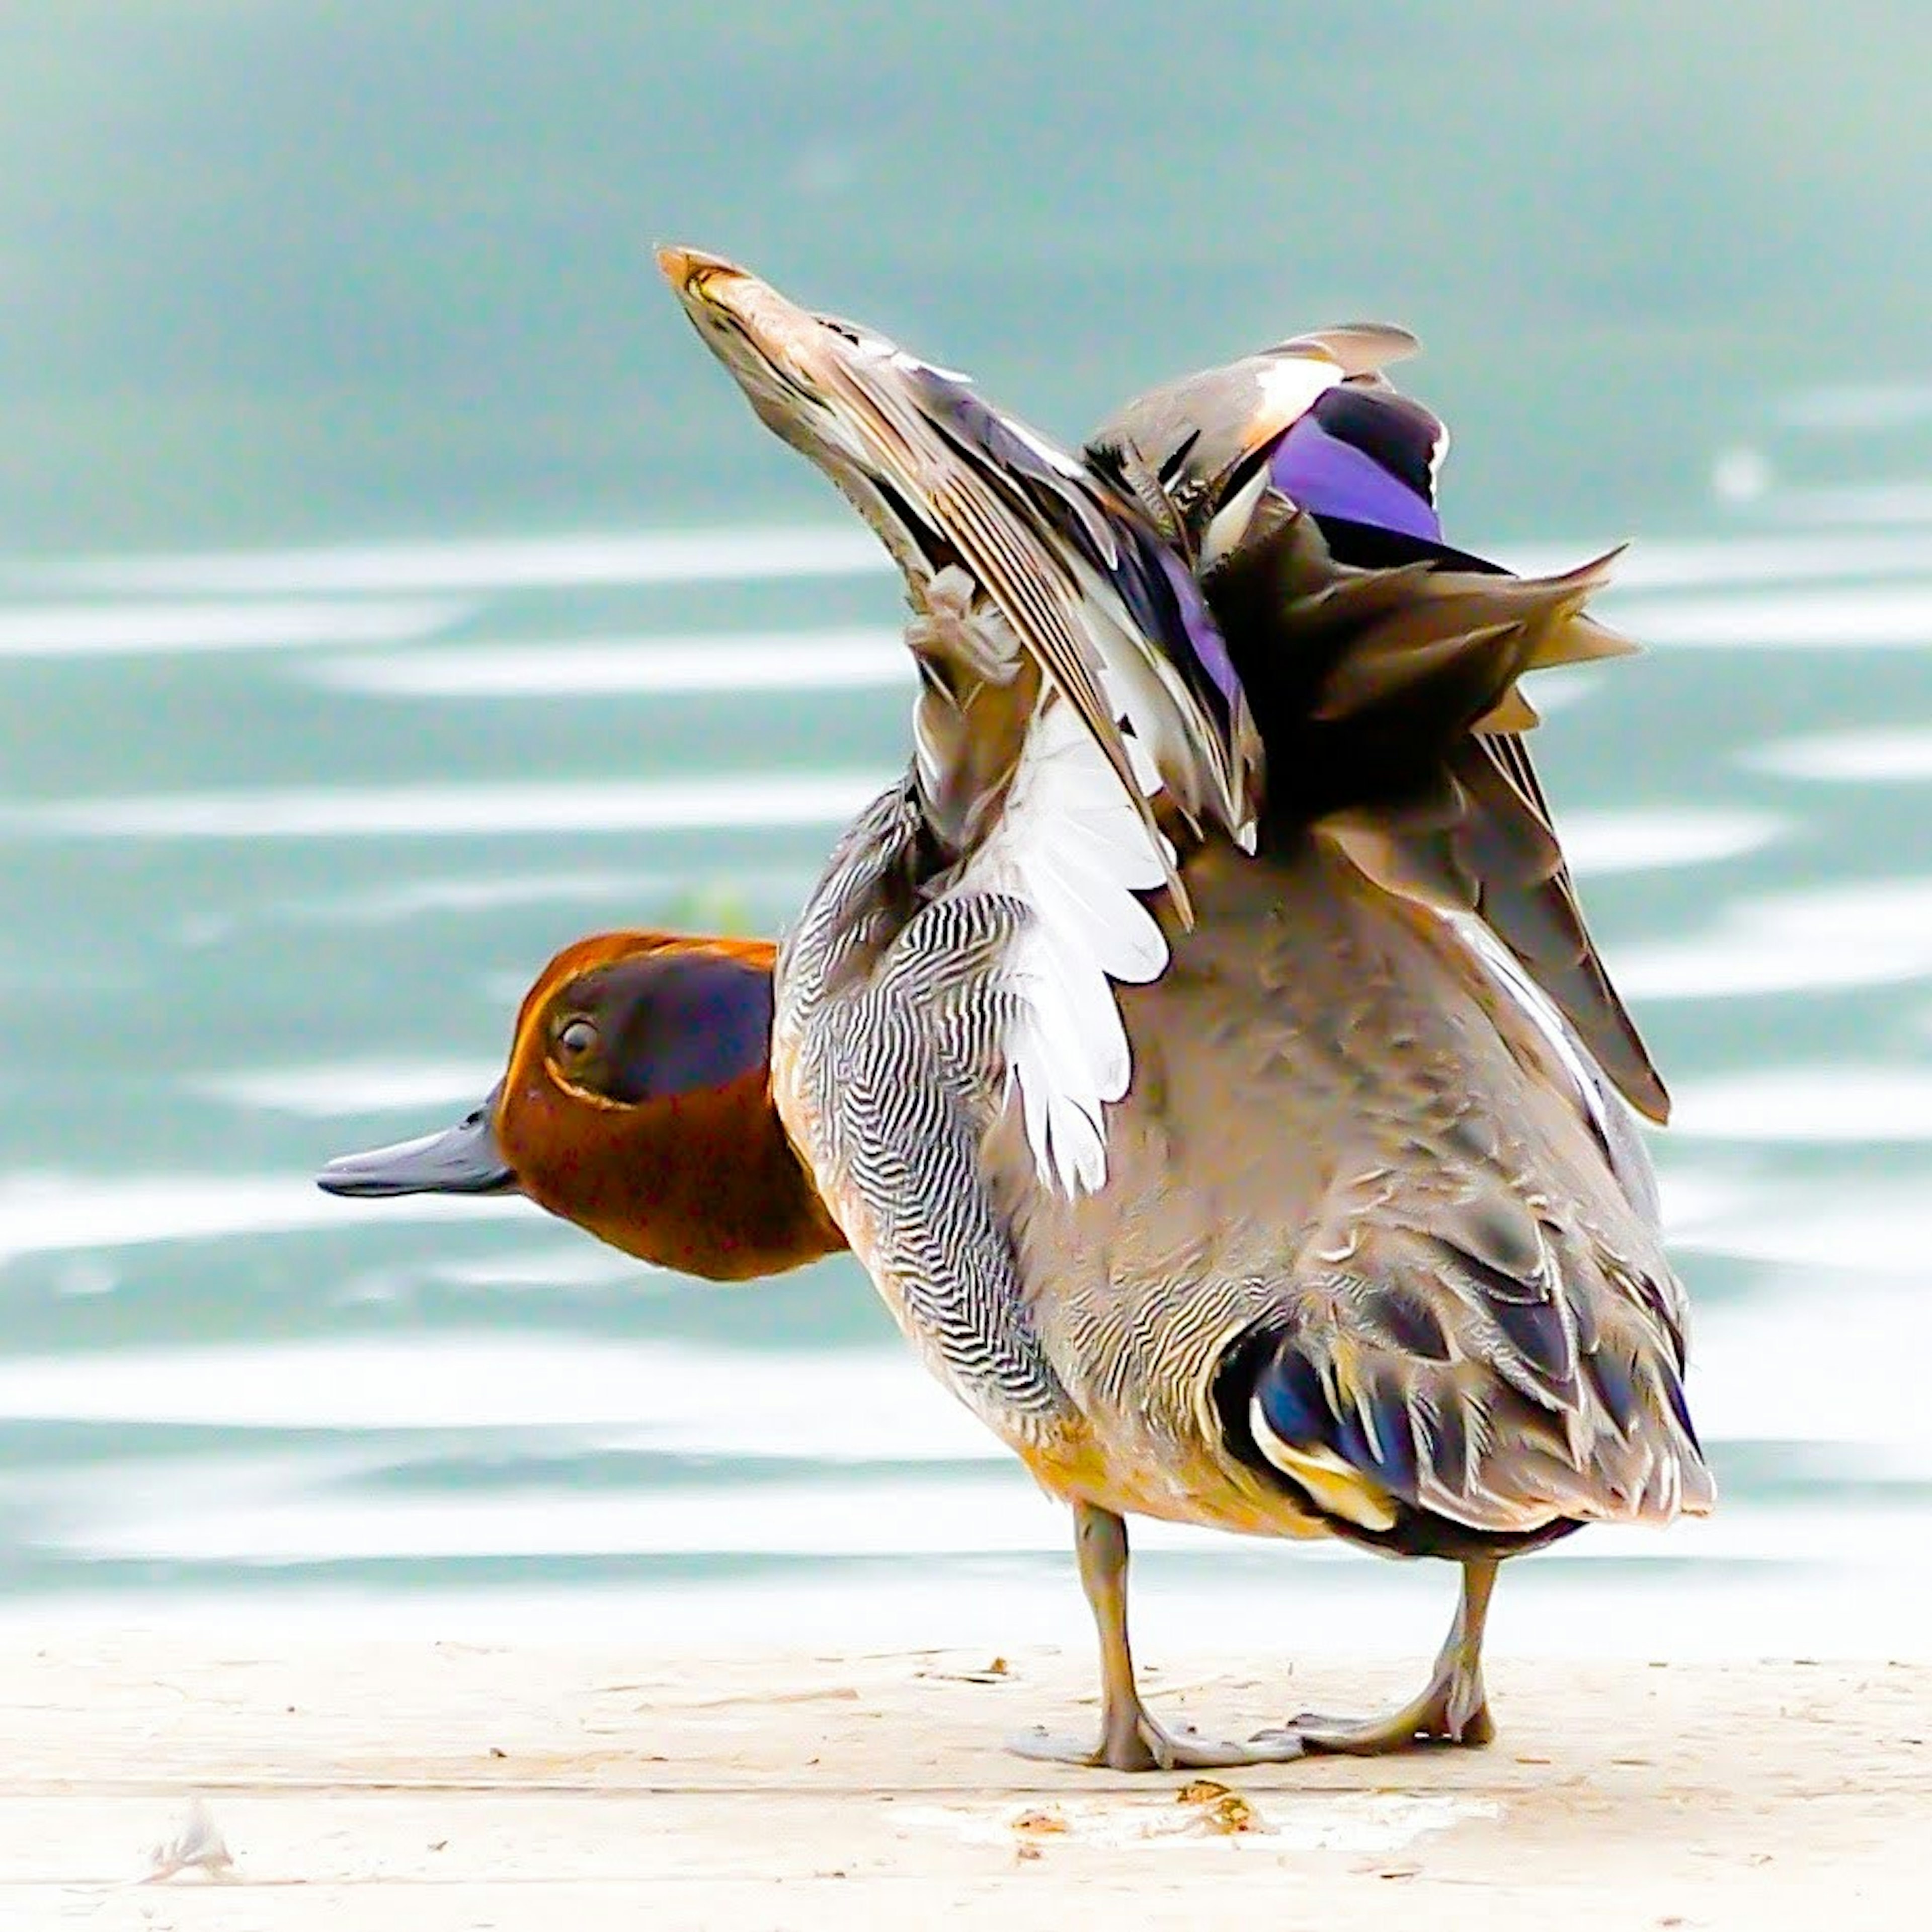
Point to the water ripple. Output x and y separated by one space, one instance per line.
1899 756
100 630
1875 933
1843 1105
746 801
1889 616
54 1214
498 564
657 667
337 1089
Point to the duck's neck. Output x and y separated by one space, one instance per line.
704 1182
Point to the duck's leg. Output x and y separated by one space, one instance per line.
1454 1707
1130 1740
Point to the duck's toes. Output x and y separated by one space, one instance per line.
1453 1710
1144 1746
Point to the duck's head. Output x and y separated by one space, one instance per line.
637 1103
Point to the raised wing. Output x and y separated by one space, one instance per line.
1092 593
1388 699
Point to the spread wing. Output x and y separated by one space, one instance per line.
1389 701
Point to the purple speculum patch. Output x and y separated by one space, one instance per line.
1330 478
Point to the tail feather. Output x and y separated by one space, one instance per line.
1427 1385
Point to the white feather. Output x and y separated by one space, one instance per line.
1229 523
900 359
1146 694
1056 459
1071 847
1290 384
1437 451
1141 761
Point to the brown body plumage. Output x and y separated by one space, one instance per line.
1338 1131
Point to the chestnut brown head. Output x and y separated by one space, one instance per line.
637 1103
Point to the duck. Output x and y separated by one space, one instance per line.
1162 1041
636 1103
616 1124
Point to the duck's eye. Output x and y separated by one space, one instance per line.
577 1039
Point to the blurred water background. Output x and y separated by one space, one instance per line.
390 589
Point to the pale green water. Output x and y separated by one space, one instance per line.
393 590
